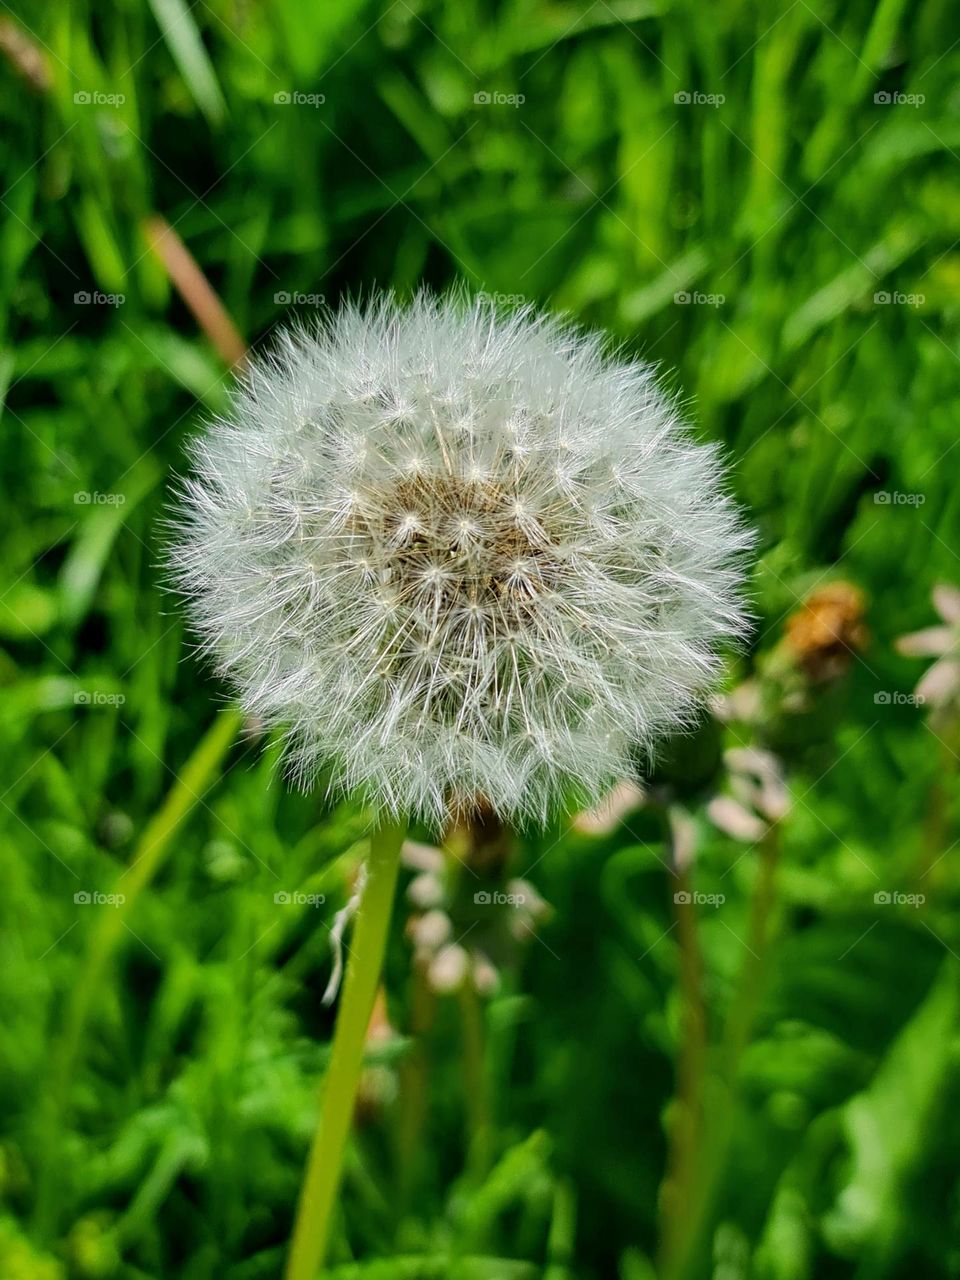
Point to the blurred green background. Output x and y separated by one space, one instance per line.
731 1053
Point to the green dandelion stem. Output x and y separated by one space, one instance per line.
324 1165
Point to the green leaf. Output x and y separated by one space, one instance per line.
887 1126
176 21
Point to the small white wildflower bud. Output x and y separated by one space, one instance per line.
448 969
422 857
757 780
486 979
457 553
729 816
612 808
431 931
425 891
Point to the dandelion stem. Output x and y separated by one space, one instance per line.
717 1140
475 1081
324 1166
414 1080
685 1145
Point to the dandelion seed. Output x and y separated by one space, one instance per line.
458 553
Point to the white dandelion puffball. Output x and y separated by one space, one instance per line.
457 553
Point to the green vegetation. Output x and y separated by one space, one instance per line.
741 1066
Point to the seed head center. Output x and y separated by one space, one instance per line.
459 541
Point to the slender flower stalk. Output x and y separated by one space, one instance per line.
752 814
322 1179
686 1130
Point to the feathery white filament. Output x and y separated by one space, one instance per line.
456 553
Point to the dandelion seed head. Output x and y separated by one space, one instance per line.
459 553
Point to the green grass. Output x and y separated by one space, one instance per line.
159 1061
